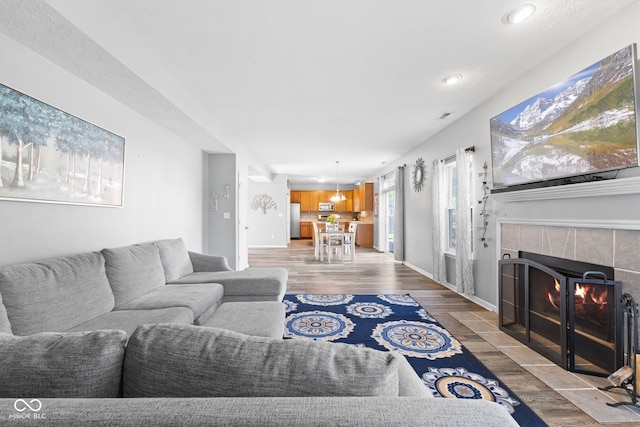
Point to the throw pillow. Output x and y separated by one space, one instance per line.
175 259
195 361
133 271
62 365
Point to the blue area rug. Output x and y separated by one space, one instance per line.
397 322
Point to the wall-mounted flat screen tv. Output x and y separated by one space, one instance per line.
584 125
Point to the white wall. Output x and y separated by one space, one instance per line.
221 237
473 129
163 174
270 229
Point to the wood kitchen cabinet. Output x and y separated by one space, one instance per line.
364 235
324 195
306 230
309 201
346 205
363 197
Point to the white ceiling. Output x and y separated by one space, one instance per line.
300 84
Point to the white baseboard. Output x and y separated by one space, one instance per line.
482 303
419 270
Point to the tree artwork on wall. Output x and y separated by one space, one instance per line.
48 155
263 201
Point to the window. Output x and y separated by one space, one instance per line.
450 204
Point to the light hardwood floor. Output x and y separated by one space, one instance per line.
374 272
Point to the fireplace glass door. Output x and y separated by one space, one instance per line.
595 327
534 314
576 322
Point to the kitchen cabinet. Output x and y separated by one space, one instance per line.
324 195
357 197
364 235
309 201
363 198
306 230
346 205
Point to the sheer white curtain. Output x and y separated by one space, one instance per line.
398 225
464 254
437 206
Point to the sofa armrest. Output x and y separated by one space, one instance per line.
203 262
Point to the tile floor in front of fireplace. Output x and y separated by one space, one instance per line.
579 389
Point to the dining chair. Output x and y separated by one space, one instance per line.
331 226
317 241
335 245
350 240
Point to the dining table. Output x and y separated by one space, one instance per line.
331 240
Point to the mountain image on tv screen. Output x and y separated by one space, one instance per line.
581 126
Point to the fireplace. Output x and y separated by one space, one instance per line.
568 311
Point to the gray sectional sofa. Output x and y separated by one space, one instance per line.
152 334
122 288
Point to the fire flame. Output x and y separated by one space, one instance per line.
591 294
590 300
551 298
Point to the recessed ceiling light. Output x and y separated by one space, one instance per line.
452 79
322 179
518 14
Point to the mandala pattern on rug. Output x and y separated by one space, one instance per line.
318 325
417 339
369 310
399 299
326 300
459 383
425 315
289 306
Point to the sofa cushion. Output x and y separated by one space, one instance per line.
264 283
262 318
55 295
190 361
5 325
129 320
201 299
50 364
133 271
175 258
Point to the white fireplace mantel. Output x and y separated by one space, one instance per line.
611 187
580 223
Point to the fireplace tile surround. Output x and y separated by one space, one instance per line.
615 247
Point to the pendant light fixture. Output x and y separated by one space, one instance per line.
338 197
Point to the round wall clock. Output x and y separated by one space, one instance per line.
418 175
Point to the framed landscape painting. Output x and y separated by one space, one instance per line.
50 156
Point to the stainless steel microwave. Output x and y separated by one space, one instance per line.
325 207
